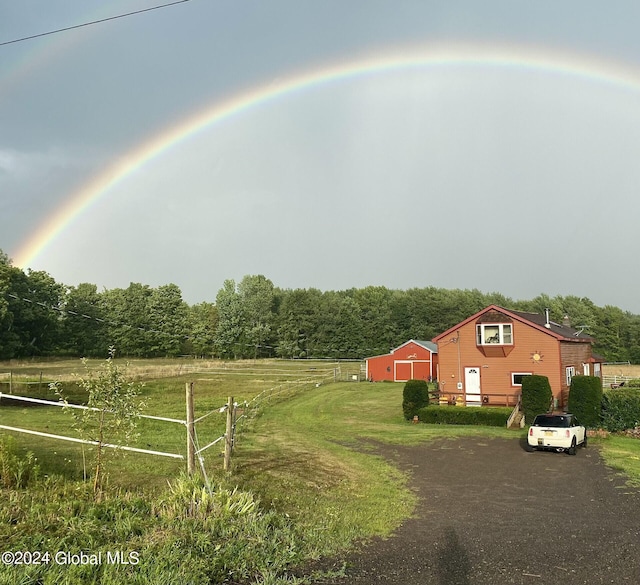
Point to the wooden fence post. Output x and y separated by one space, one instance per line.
227 436
191 439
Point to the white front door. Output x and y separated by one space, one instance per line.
472 387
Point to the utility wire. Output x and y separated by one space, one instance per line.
53 32
314 350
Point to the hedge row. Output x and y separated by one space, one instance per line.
458 415
620 409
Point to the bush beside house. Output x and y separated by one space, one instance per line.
585 400
536 396
414 397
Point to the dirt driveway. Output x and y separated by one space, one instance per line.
491 513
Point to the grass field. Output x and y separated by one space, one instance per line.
629 370
163 395
306 466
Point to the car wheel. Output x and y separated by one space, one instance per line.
529 448
572 449
584 443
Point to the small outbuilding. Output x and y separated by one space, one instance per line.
413 360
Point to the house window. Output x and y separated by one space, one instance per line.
516 378
571 372
494 334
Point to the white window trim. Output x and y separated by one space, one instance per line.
570 372
513 374
480 336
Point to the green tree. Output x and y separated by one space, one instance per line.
112 415
297 324
30 312
83 327
609 333
230 321
256 298
8 338
340 329
202 320
128 316
378 330
167 321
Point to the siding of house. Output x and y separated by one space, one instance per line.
572 355
538 347
496 372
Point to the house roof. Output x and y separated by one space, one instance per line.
561 332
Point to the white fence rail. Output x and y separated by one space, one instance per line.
63 404
249 408
88 442
616 381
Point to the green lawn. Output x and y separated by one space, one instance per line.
621 454
308 456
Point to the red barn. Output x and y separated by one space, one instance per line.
413 360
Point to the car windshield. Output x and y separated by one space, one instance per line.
552 421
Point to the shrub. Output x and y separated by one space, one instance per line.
585 400
458 415
414 397
620 409
536 396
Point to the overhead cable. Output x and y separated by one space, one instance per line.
59 30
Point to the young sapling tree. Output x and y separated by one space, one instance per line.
114 407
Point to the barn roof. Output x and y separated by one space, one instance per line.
428 345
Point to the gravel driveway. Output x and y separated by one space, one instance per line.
491 513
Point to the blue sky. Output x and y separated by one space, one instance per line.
477 173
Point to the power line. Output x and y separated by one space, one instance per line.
53 32
314 350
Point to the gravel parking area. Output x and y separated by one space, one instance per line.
491 513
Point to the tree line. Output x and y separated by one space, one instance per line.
254 319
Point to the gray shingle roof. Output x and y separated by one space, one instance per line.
563 330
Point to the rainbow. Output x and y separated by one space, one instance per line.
521 58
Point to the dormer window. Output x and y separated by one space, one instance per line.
494 334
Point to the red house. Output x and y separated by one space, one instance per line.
483 359
413 360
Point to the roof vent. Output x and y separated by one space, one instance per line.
547 324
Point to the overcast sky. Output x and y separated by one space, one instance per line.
512 165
